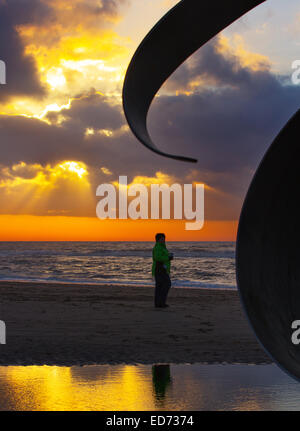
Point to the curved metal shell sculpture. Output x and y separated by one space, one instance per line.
184 29
268 249
268 240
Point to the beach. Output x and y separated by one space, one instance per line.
78 324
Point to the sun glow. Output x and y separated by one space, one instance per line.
77 167
51 189
55 77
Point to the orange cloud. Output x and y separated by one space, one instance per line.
36 189
236 47
77 50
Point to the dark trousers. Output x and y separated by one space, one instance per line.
162 287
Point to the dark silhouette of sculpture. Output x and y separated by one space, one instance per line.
268 249
268 240
184 29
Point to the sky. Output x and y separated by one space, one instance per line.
63 130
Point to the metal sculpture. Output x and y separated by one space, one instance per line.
268 249
268 240
184 29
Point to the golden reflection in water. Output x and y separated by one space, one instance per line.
161 378
77 388
144 387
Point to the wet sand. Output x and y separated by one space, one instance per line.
61 324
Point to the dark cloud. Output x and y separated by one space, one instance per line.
227 128
213 68
34 141
109 8
21 73
92 110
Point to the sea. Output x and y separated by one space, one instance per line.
159 387
195 264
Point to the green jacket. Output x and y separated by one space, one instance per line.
160 254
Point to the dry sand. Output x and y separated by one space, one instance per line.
81 324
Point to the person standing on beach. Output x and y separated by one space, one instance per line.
161 270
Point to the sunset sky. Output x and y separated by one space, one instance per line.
63 131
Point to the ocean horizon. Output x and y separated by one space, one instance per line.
196 264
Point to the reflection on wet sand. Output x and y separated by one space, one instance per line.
161 378
145 387
76 388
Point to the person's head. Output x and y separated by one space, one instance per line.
160 237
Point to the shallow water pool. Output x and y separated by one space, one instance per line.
145 387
